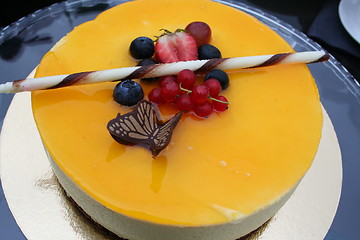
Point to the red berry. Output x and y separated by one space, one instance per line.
200 31
219 106
170 91
214 87
186 46
187 78
155 96
203 110
199 94
184 103
174 47
165 79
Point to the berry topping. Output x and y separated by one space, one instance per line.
128 93
155 96
169 91
199 94
186 78
203 110
220 105
208 51
145 62
165 79
220 75
174 47
214 87
180 90
200 31
142 47
184 103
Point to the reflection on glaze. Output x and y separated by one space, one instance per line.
74 95
230 214
158 170
115 151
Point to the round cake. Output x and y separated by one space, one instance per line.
220 177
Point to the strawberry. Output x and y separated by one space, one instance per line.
175 47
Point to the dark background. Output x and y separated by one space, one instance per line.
14 10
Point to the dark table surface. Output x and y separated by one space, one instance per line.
21 50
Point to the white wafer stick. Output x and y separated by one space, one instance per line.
158 70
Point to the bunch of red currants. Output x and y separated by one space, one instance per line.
182 91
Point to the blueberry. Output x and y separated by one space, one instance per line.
128 93
145 62
220 75
142 47
208 51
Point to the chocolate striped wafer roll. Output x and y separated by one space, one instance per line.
158 70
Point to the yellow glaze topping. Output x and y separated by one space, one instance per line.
214 170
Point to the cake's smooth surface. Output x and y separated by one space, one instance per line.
217 170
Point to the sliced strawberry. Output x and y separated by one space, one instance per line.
174 47
165 50
186 46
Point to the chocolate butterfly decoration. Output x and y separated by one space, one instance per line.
143 127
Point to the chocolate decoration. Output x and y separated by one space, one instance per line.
323 58
143 127
161 69
273 60
211 64
72 79
142 71
17 83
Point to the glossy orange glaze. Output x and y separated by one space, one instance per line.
233 162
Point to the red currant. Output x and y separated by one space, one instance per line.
169 91
203 110
200 31
199 94
214 87
184 103
219 106
187 78
165 79
155 96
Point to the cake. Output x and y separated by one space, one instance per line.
220 177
